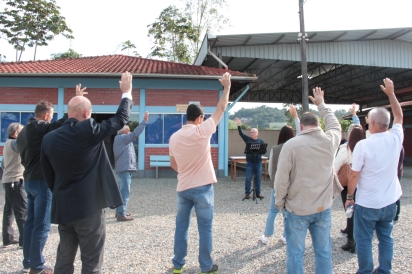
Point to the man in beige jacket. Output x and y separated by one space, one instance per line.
304 185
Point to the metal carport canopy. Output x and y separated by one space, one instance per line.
348 64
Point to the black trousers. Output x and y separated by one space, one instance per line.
15 207
88 233
349 221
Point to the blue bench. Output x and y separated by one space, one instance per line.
159 161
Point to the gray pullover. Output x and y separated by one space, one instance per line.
123 149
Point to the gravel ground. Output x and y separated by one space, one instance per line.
145 245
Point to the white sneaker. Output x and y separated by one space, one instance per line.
264 239
282 239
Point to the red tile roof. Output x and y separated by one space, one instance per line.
110 64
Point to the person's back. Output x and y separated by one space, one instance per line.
374 176
77 169
86 150
15 204
39 197
304 185
29 145
190 156
125 164
312 155
380 166
191 149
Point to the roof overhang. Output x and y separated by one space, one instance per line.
348 64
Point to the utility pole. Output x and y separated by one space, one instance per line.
302 38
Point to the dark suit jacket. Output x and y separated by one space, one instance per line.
77 169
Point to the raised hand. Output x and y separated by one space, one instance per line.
354 108
80 90
238 122
293 112
388 87
225 80
146 116
317 98
125 82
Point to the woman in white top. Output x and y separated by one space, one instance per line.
345 156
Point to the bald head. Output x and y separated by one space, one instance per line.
125 130
79 108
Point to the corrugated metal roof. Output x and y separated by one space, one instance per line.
350 64
400 34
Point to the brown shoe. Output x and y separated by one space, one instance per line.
124 218
259 196
47 270
127 214
247 196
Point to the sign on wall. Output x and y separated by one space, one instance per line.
181 107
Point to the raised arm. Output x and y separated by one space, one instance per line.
389 90
239 129
294 113
224 100
111 126
354 108
333 129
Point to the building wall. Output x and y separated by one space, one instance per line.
167 97
16 95
102 96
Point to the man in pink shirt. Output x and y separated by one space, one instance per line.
190 156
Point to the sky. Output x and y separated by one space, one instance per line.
99 26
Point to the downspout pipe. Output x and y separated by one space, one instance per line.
226 121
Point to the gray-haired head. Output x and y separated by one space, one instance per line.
309 119
13 127
381 117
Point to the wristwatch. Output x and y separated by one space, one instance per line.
349 197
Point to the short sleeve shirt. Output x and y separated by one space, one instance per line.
377 160
190 147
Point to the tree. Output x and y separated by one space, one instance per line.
127 45
32 23
341 113
172 33
68 54
205 17
3 58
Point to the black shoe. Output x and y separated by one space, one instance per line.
12 242
259 196
349 246
345 231
211 271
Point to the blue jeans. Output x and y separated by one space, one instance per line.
37 225
319 225
125 178
202 199
253 168
272 215
366 220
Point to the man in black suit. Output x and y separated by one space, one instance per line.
78 172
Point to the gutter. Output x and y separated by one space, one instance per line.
167 76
